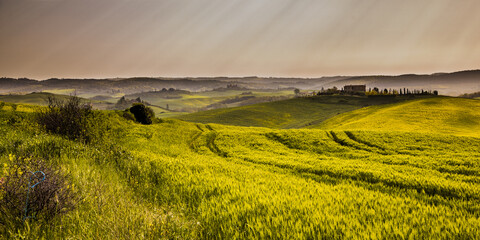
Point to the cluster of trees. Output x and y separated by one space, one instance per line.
330 91
470 95
375 91
404 91
166 90
123 103
230 86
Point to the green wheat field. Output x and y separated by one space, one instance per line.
305 168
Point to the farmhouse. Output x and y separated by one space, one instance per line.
355 88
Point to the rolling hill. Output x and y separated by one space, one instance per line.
292 113
440 115
186 102
40 98
32 98
164 103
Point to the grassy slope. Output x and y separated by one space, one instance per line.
440 115
180 179
40 98
31 98
292 113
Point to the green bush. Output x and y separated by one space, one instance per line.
142 113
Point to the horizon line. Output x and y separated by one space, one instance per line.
244 76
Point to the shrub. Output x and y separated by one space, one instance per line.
128 115
70 118
142 113
46 200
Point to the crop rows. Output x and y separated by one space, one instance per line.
253 182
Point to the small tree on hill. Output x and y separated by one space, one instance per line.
142 113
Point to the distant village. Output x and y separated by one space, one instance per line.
361 90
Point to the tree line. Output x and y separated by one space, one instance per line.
374 91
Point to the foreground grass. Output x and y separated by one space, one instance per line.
186 180
108 207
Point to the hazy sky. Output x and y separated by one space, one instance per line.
120 38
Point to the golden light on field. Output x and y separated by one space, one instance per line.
110 38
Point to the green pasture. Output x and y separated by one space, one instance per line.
447 115
39 98
178 104
61 91
195 101
292 113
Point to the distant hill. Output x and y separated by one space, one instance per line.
164 93
292 113
446 83
105 86
438 115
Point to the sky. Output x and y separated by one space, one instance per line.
43 39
